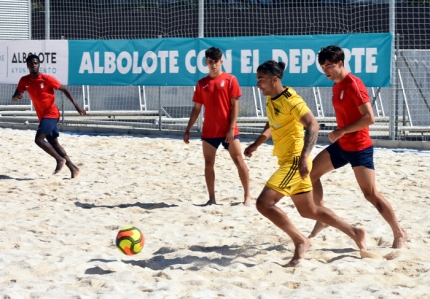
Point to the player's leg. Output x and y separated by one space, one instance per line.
324 162
321 165
209 153
235 151
308 209
45 128
53 140
366 180
266 205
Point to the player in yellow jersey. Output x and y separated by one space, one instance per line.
287 114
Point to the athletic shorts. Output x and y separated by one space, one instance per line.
340 158
49 127
287 180
215 142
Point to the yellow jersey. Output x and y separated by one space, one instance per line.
284 113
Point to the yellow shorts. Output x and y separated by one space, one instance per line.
287 180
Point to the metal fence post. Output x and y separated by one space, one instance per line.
393 104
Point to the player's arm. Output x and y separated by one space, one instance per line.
311 135
193 117
264 136
17 96
233 119
70 97
364 121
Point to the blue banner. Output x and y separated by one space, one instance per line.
180 61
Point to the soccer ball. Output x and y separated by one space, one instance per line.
130 240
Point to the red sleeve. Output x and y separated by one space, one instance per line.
235 91
359 93
21 85
53 82
197 98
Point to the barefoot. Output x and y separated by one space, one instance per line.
247 202
299 253
319 226
210 202
75 172
399 241
360 238
60 165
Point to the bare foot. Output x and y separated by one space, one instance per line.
399 241
247 202
75 172
319 226
360 237
210 202
60 165
299 253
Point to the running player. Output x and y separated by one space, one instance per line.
287 114
351 140
41 87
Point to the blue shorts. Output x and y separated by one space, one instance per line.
215 142
340 158
49 127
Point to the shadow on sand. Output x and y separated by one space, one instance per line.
6 177
224 256
145 206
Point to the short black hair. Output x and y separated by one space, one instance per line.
32 56
272 67
331 53
213 53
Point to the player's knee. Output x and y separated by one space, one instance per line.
209 164
54 143
314 177
239 163
376 201
38 141
236 160
262 206
370 196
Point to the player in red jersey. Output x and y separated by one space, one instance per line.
219 93
40 88
351 142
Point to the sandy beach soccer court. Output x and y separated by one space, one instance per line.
57 234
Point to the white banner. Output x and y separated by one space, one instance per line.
53 55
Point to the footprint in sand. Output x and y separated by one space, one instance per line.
370 255
392 255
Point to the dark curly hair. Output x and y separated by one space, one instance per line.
32 56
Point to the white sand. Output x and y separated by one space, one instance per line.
57 234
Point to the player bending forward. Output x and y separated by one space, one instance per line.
287 114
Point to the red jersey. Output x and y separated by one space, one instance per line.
215 94
41 92
348 95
